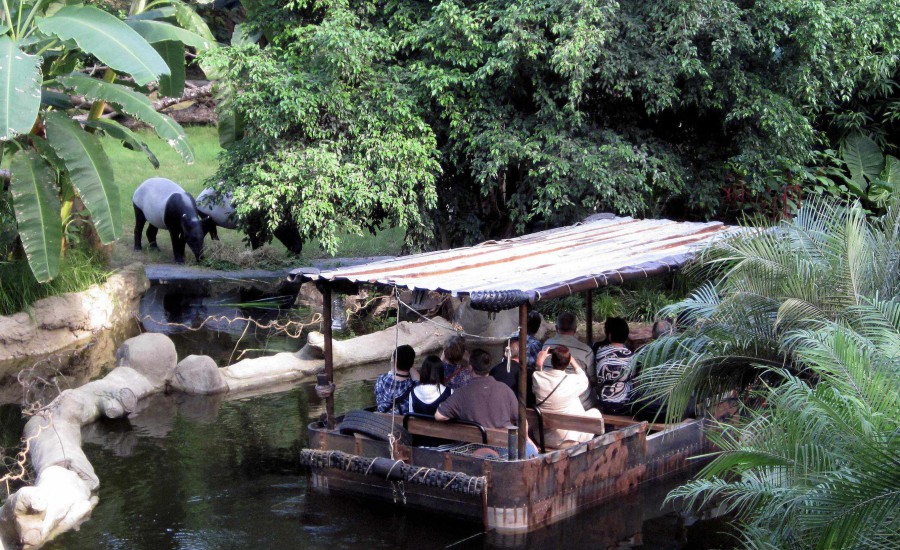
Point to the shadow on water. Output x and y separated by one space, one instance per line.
190 472
197 473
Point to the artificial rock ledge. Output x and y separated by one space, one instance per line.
56 322
63 495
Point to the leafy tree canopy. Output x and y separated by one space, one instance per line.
483 118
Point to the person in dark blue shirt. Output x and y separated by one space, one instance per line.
392 388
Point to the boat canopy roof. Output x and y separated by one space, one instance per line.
504 274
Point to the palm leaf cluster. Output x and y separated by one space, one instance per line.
804 319
767 282
819 466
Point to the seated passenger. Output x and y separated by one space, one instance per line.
392 388
430 391
457 371
484 400
614 369
566 325
534 345
507 370
559 391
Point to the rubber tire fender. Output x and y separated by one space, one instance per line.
375 426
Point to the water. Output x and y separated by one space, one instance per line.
188 472
202 473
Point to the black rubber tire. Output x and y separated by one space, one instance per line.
374 426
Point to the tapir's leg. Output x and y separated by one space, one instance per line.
139 221
152 230
178 246
209 228
289 236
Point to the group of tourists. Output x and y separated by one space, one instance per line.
564 375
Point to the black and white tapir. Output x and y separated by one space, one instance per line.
166 205
217 211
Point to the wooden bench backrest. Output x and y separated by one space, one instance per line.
452 431
559 421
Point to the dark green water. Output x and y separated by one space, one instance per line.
203 473
199 473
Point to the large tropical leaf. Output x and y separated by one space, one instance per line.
159 31
134 104
20 89
863 158
231 122
891 173
150 15
57 100
128 138
189 19
108 39
173 53
37 212
90 172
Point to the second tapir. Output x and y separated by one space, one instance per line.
165 205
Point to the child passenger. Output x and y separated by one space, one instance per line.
431 390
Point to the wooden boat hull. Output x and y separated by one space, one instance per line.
524 495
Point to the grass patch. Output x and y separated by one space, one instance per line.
231 252
77 271
219 255
387 242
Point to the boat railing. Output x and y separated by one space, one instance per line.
539 415
423 424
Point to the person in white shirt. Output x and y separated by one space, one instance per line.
559 390
431 391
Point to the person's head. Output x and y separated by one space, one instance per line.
661 328
534 322
560 357
480 361
404 357
432 370
454 349
616 330
566 323
514 346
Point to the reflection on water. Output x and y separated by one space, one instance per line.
41 378
197 473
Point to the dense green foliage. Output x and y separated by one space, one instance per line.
77 271
819 467
768 282
499 116
803 320
60 175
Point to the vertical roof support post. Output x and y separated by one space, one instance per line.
329 356
523 375
589 316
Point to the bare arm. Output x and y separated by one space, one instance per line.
439 417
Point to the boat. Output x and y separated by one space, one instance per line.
479 473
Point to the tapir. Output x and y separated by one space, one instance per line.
217 211
165 205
